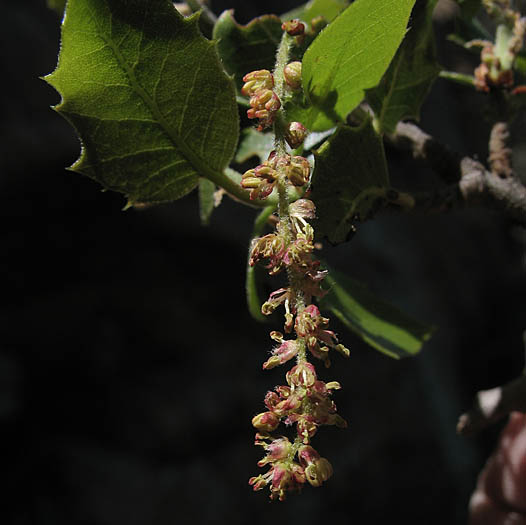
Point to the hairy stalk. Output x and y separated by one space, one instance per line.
282 58
305 401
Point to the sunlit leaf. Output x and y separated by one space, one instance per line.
329 9
147 95
407 82
378 323
351 55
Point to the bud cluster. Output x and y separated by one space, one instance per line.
305 401
262 179
497 59
264 103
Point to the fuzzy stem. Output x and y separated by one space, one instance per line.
285 227
282 59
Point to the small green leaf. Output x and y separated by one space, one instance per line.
147 95
57 5
351 55
207 190
407 82
378 323
349 180
254 144
329 9
245 48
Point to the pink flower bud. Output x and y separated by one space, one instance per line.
266 172
303 208
289 323
292 73
307 455
282 354
261 97
283 391
273 104
266 421
303 374
295 134
317 469
279 449
298 171
292 403
271 400
257 80
306 428
293 27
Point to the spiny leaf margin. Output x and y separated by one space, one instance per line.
147 95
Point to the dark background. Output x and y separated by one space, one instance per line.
130 368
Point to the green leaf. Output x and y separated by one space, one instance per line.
349 181
147 95
378 323
329 9
413 70
245 48
351 55
207 190
57 5
254 144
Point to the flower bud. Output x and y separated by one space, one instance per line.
256 81
298 171
317 469
266 172
303 208
266 421
275 299
295 134
283 391
289 323
279 449
261 97
292 73
293 27
303 374
306 428
282 354
271 400
249 180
